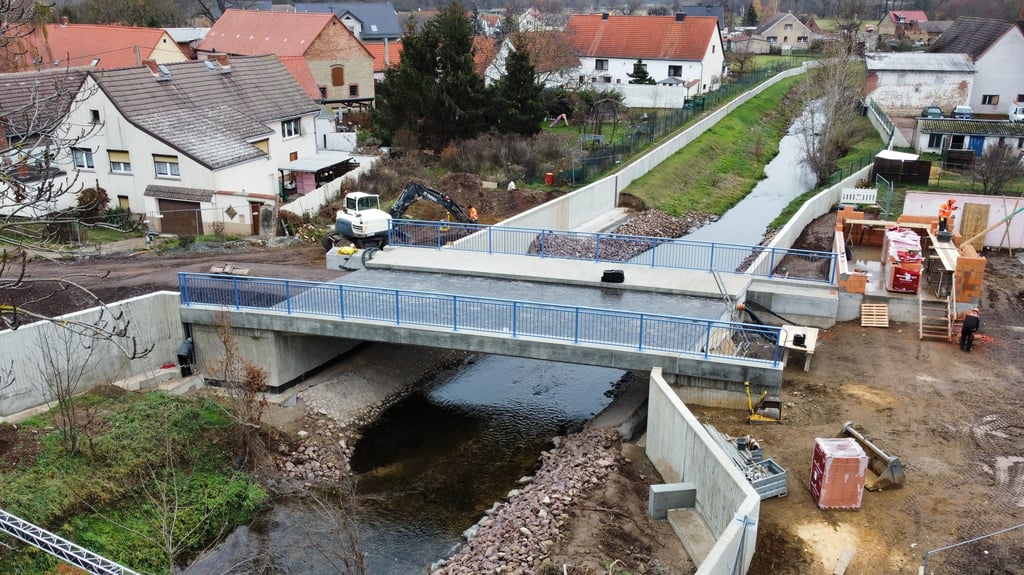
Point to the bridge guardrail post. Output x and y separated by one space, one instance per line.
398 307
771 264
576 330
543 238
183 288
234 285
455 313
707 340
711 259
515 317
654 247
597 247
288 297
640 342
341 300
490 240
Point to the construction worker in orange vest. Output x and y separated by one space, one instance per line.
945 211
472 214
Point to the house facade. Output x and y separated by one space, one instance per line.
997 49
782 33
896 23
370 22
903 83
324 56
551 54
684 51
189 145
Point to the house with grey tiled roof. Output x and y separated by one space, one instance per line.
371 22
997 49
903 83
942 135
194 145
782 33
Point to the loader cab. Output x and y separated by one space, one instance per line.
356 202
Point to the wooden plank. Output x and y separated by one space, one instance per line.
844 562
975 220
874 315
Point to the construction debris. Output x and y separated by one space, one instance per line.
766 476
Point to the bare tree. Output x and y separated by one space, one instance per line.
831 97
997 166
63 359
210 10
244 384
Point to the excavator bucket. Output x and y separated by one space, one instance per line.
888 468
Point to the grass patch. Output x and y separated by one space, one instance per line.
718 169
106 498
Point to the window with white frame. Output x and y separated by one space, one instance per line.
166 166
83 158
801 39
788 27
120 162
773 39
935 141
290 128
601 64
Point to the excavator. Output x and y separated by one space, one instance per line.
366 225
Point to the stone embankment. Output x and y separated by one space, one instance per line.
648 224
517 534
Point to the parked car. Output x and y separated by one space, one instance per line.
1016 113
932 112
963 112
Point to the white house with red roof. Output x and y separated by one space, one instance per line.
328 61
683 52
102 47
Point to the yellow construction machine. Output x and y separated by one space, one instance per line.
767 409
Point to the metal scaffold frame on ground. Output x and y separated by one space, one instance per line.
59 547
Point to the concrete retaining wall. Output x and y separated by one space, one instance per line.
285 356
682 451
572 210
154 322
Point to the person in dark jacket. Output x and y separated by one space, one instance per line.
971 324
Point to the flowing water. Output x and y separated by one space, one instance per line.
786 178
430 466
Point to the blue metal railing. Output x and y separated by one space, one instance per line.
460 313
611 248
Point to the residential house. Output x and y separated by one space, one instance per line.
551 54
194 145
384 57
904 83
812 24
324 56
33 148
718 11
782 33
933 29
370 22
896 23
997 49
187 39
942 135
680 48
99 46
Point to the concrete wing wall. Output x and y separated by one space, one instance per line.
683 451
20 349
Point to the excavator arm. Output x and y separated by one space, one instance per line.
413 192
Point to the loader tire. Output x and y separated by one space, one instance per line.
331 240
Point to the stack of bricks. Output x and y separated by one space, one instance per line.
847 213
848 282
970 274
837 473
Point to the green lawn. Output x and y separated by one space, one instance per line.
719 168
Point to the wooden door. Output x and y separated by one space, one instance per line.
181 218
975 220
254 213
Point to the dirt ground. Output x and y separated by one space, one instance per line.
955 420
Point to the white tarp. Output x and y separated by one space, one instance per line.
894 155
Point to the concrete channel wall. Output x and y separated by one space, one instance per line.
593 200
34 353
683 451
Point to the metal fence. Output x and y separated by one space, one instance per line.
459 313
613 248
649 130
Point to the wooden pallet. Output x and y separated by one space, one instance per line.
874 315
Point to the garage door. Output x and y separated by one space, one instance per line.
181 218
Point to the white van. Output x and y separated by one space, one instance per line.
1017 112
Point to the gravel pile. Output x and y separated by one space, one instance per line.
514 536
651 223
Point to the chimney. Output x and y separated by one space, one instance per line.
224 61
151 64
680 16
604 15
63 21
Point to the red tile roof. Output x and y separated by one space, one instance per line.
484 51
299 68
80 44
650 37
549 50
394 53
908 16
257 32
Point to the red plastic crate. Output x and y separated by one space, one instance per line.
837 473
